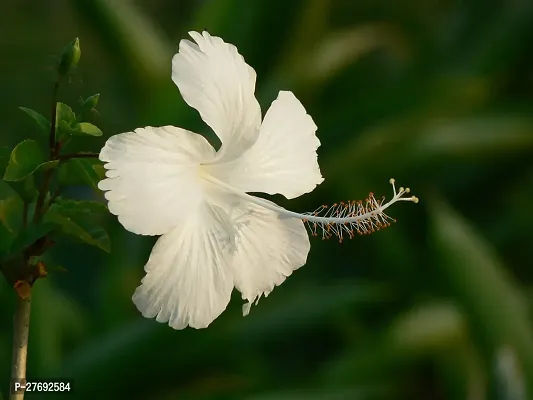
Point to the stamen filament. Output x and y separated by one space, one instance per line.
339 219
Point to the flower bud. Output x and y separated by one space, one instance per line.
70 57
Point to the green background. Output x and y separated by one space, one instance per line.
437 94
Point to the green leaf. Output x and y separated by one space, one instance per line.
4 158
64 113
100 171
25 159
29 235
88 107
425 329
64 126
41 121
86 128
65 120
91 102
48 165
25 188
81 208
94 236
79 171
488 294
80 219
10 216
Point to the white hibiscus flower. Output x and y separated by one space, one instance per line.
214 236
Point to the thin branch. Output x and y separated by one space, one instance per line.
65 157
21 321
52 143
53 155
21 325
52 199
42 195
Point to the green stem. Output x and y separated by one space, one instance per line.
52 143
52 199
21 325
65 157
42 194
53 155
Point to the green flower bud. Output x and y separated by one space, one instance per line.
70 57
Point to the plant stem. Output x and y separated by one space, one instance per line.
52 143
21 321
65 157
21 325
42 195
53 155
52 199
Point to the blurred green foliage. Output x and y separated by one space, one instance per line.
437 94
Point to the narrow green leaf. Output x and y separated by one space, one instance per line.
80 219
79 171
86 128
25 159
428 328
477 278
41 121
479 136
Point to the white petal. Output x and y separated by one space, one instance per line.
153 177
214 78
188 278
269 249
283 159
